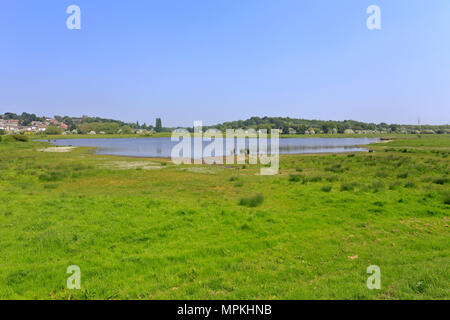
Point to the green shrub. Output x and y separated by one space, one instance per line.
298 169
326 188
252 201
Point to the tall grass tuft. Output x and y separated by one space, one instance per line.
447 199
349 186
252 201
410 184
295 177
441 180
377 186
402 175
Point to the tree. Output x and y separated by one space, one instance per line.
52 130
158 125
126 129
301 129
394 127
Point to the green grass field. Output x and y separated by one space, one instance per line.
146 229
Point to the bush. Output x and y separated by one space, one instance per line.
326 188
252 201
298 169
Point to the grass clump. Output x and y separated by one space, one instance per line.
239 184
441 180
53 176
314 179
410 184
252 201
403 175
50 186
377 186
381 174
349 186
326 188
295 177
336 168
446 199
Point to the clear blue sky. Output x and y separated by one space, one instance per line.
220 60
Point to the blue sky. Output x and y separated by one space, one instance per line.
221 60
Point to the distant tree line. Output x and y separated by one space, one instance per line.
25 119
302 125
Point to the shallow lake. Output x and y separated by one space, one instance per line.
162 147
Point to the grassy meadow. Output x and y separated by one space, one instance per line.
147 229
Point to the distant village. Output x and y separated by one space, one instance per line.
11 123
13 126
